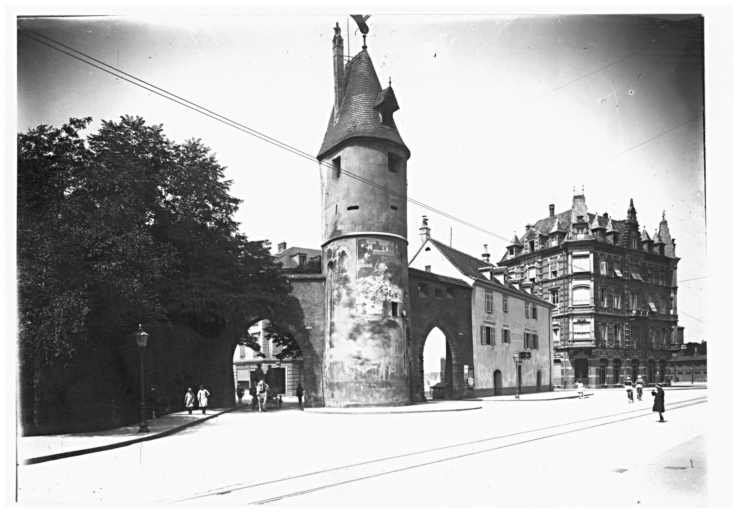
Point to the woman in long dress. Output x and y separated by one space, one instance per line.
202 398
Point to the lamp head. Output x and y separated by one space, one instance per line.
141 338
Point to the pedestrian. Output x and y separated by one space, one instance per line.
629 391
639 387
239 392
658 401
189 400
580 389
279 401
262 388
254 399
299 392
202 398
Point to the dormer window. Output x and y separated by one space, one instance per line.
532 246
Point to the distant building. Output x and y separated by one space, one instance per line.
505 319
294 257
614 290
282 376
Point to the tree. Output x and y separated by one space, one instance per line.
121 228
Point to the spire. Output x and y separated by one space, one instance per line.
632 212
361 109
595 224
670 244
610 228
515 241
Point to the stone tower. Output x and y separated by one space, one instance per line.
364 198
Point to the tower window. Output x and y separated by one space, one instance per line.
532 246
336 167
393 162
354 207
393 207
394 309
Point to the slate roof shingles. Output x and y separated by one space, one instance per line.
357 115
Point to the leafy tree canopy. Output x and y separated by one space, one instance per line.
126 226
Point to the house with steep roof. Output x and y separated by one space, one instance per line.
614 291
506 319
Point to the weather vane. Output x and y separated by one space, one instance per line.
360 20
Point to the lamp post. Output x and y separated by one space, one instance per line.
141 339
516 358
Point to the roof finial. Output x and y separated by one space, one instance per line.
360 20
390 82
582 189
663 215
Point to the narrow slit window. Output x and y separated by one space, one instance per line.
392 162
336 167
394 309
393 207
354 207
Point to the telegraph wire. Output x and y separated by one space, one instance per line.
690 316
692 279
197 108
656 137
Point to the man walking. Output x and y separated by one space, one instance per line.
299 392
658 401
202 398
262 388
239 393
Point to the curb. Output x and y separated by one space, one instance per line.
322 410
586 395
85 451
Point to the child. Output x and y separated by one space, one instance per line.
629 389
580 389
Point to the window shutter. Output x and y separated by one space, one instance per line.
481 338
493 335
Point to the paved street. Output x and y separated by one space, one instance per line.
598 451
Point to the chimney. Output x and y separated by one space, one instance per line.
338 70
605 215
485 254
425 233
550 210
281 247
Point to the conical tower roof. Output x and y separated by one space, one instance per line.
359 113
515 241
644 236
556 228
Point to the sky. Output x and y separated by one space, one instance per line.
504 114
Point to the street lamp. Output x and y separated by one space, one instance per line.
516 358
141 339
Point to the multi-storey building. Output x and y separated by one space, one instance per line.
614 288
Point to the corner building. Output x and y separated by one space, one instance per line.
614 289
364 249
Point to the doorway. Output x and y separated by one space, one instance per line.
581 370
498 382
436 361
538 381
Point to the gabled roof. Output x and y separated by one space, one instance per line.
467 265
285 257
437 277
357 116
597 222
556 228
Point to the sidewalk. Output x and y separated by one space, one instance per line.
422 407
559 394
37 449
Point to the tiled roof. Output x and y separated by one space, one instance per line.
357 115
437 277
467 265
285 257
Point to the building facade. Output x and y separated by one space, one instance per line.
281 375
614 291
506 319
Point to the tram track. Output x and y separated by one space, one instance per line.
273 490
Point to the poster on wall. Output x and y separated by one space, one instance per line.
375 255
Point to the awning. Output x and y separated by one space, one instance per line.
618 273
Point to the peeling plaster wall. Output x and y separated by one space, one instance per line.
365 361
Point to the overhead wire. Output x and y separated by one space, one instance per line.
234 124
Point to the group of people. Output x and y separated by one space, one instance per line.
260 395
657 393
202 399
